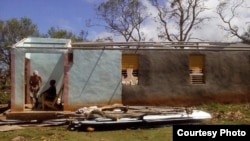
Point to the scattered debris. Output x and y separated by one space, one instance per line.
112 117
119 116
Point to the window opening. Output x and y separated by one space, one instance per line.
196 69
130 69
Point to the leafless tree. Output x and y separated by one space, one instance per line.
123 17
227 11
178 18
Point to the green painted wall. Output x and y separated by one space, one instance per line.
95 78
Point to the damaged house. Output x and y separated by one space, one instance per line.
145 73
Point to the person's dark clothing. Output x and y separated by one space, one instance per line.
50 93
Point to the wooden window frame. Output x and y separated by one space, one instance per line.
126 67
197 70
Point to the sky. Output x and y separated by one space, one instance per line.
73 14
64 14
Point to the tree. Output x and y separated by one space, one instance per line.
54 32
246 36
11 31
178 18
123 17
227 11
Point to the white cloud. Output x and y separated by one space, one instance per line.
214 33
209 31
102 35
93 1
64 24
149 28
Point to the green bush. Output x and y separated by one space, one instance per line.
4 97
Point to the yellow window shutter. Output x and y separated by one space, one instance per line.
130 61
196 61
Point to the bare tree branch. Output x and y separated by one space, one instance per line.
123 17
185 14
228 18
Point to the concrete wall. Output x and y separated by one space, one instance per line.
94 78
17 79
50 66
164 79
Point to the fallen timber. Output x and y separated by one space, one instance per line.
122 117
112 117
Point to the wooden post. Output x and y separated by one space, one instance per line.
66 83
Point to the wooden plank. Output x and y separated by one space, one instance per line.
32 115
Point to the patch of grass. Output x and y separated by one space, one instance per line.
227 113
61 134
222 114
4 97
